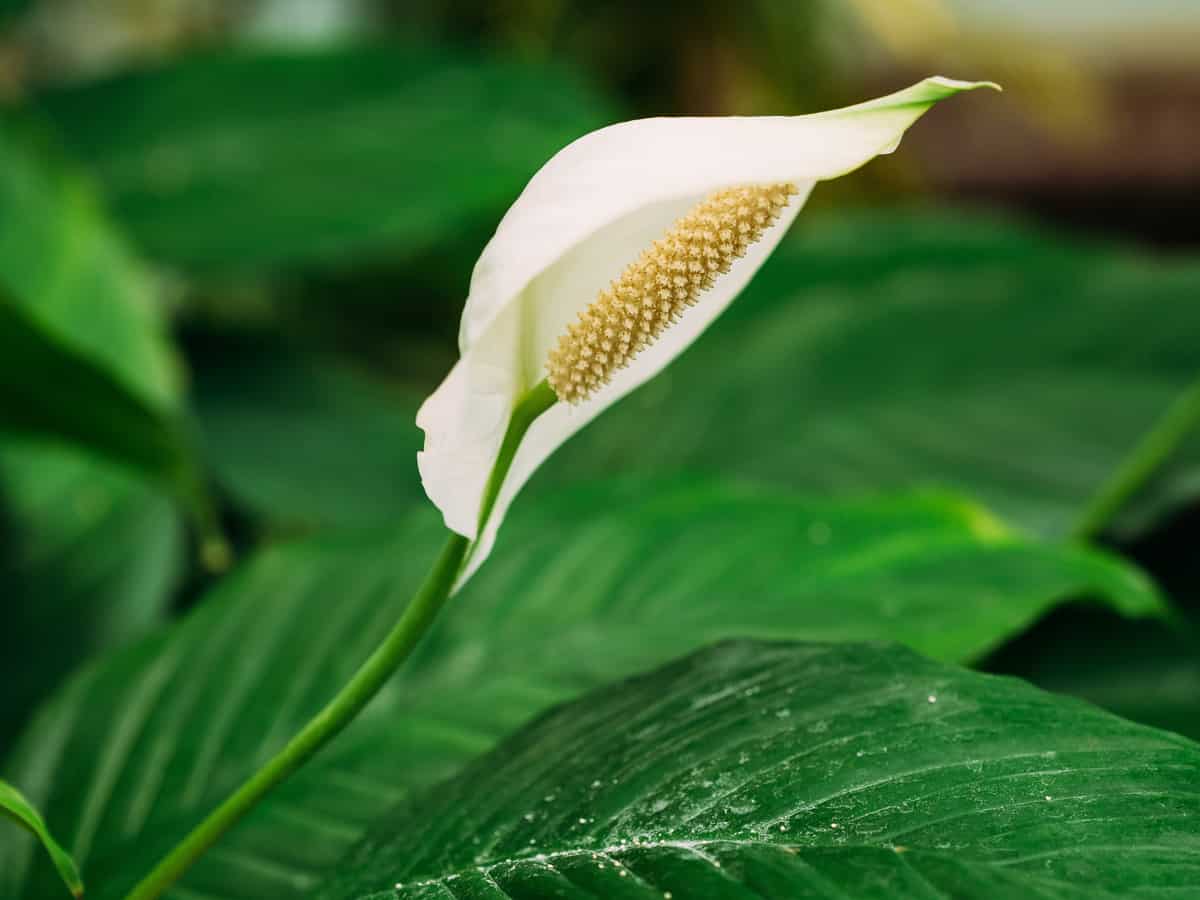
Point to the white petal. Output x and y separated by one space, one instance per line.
581 219
562 420
617 170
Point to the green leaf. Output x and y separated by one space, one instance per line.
584 588
756 770
245 160
88 559
77 325
89 554
11 10
82 404
65 269
640 553
350 442
136 748
14 805
875 352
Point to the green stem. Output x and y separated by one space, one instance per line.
338 713
1146 458
362 686
539 399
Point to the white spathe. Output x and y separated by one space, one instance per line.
581 219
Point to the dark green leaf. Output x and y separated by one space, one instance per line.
875 352
243 160
11 9
89 554
63 267
135 749
84 358
14 805
88 560
81 403
758 770
302 440
585 588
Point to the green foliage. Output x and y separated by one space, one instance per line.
305 441
1144 670
898 436
802 770
89 554
88 559
244 160
80 403
882 351
85 360
62 266
14 805
11 9
173 724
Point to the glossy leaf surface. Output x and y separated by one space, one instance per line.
137 748
756 770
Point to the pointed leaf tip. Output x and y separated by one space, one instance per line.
17 807
938 87
953 84
921 95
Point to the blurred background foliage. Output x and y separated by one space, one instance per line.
235 239
270 210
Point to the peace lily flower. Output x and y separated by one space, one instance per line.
618 254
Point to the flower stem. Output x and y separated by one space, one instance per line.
338 713
1155 448
362 686
536 401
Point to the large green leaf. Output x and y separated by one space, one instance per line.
82 404
242 160
88 559
302 440
134 750
755 770
586 587
14 805
880 351
84 357
63 267
89 554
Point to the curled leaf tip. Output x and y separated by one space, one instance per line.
955 84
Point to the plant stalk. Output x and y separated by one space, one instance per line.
416 619
1181 417
539 399
336 715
